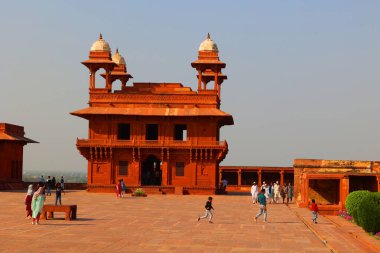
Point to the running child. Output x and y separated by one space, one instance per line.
208 207
314 209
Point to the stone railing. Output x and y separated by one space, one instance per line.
150 143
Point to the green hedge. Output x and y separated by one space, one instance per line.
368 212
353 201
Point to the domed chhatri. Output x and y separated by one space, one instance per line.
100 45
208 45
117 58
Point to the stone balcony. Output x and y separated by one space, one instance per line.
86 143
103 148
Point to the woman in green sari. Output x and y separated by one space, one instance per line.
37 203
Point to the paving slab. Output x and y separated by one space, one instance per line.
157 223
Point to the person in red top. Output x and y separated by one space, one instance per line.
118 189
314 209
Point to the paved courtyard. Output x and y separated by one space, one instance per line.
167 223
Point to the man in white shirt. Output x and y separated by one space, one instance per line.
254 192
276 190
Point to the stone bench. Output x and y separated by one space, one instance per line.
49 210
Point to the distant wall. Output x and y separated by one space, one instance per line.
68 186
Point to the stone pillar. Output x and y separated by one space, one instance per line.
164 171
92 79
259 180
216 80
304 191
239 177
199 80
344 190
282 177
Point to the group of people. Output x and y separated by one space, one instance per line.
267 193
121 188
51 183
262 200
274 192
35 198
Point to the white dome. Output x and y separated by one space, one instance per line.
100 45
208 45
117 58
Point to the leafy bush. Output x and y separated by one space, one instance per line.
368 213
139 191
353 201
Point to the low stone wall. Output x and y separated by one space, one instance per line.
154 189
68 186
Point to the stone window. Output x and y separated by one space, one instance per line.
124 132
123 168
180 169
151 132
180 132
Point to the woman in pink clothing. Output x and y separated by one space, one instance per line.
118 189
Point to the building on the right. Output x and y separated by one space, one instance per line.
330 181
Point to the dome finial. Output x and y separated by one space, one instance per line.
208 35
117 50
100 36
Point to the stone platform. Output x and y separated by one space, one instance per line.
168 223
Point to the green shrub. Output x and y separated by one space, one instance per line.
139 191
353 201
368 213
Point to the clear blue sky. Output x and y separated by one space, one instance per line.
303 76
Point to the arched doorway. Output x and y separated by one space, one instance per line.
151 171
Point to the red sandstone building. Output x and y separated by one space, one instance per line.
12 141
156 135
330 181
240 178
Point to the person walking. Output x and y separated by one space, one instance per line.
38 203
314 209
283 193
48 186
263 206
58 193
289 193
254 192
42 179
118 189
266 188
28 201
53 182
276 191
208 208
123 188
271 193
62 182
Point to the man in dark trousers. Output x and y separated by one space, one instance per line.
263 205
208 207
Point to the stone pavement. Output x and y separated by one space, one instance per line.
158 223
339 234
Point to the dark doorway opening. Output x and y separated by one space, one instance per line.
324 191
180 132
151 173
368 183
151 132
231 177
248 177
